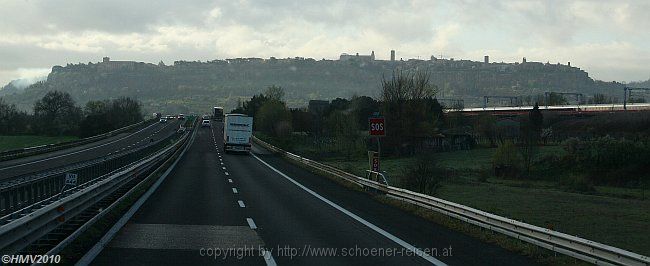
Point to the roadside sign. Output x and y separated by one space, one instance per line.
373 157
377 126
375 164
70 179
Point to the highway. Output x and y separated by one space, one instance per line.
42 162
216 208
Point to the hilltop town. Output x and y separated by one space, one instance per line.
226 82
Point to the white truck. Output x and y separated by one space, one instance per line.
237 132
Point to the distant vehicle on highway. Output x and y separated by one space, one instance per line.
206 123
217 113
237 132
163 120
181 116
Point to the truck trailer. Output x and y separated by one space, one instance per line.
237 133
217 113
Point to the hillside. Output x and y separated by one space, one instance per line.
197 86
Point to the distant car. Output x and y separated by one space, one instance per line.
181 116
163 120
206 123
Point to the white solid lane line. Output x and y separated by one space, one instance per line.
80 151
375 228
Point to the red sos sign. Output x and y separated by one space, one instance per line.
377 126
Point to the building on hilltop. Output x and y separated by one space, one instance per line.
346 57
107 64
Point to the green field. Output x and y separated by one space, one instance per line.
19 142
610 215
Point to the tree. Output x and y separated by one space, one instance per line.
486 126
12 121
95 119
107 115
339 104
407 104
532 132
57 114
343 128
536 119
251 107
363 107
274 93
301 120
124 111
274 118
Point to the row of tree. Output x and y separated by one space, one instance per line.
56 114
408 104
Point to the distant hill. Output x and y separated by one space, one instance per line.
197 86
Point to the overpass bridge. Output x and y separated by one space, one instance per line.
587 108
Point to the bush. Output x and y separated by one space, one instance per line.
610 160
506 161
425 177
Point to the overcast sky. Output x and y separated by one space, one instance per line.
609 39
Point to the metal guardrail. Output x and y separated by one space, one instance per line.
54 211
580 248
19 195
377 177
18 153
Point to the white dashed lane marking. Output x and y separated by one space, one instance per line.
251 223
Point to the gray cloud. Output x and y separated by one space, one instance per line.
607 38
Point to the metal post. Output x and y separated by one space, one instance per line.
625 98
379 150
546 98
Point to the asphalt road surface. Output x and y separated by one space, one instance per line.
217 208
51 160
